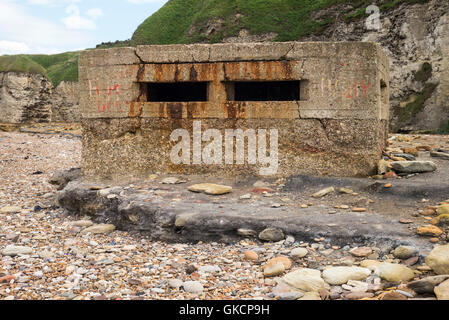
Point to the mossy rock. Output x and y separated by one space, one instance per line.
424 74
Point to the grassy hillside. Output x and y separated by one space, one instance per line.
184 21
56 67
20 63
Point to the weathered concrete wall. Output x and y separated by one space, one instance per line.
338 127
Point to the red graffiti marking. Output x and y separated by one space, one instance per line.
356 90
103 106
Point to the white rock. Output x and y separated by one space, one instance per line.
305 279
299 252
10 209
175 283
438 259
394 272
16 250
274 269
99 228
193 287
82 223
341 275
209 269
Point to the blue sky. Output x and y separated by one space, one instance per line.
53 26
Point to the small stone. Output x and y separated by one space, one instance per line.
341 275
305 279
404 252
404 156
251 255
82 223
359 209
359 295
10 210
299 252
273 269
209 269
361 251
13 251
346 190
69 270
281 288
411 261
194 287
323 192
427 285
172 180
272 234
210 188
412 151
439 154
442 291
413 166
428 212
293 295
99 229
429 230
284 260
246 232
394 272
175 283
390 175
393 295
289 240
245 197
438 259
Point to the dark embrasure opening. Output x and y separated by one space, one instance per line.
177 91
263 91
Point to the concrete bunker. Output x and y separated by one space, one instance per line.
328 103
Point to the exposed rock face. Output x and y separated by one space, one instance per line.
415 38
65 102
24 97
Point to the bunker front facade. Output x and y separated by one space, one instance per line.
259 109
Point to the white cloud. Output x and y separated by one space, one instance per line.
39 1
38 34
95 13
75 22
13 47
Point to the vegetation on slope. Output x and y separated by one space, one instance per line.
20 63
56 67
184 21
